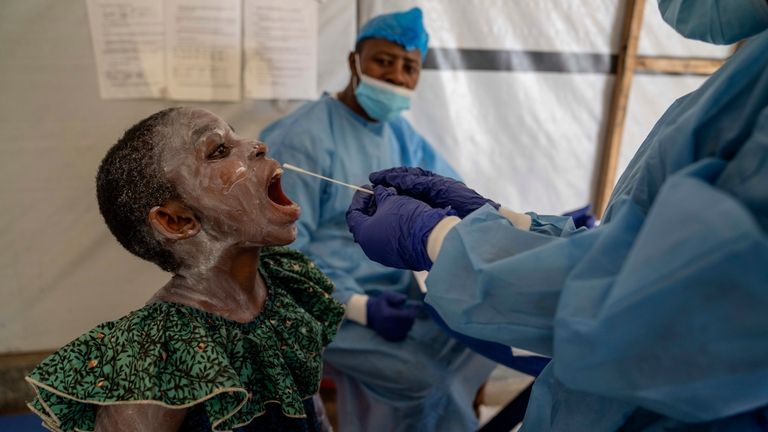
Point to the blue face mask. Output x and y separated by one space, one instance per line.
716 21
381 100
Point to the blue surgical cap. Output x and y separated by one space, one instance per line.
403 28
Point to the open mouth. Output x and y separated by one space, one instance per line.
275 191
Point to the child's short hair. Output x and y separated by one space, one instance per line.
131 181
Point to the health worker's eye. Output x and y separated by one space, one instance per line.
219 152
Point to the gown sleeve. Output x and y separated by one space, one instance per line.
663 308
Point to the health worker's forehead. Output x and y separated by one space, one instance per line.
372 47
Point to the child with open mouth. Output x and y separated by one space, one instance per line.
234 340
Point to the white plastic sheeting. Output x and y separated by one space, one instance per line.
524 137
527 140
586 26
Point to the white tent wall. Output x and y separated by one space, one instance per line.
528 138
525 137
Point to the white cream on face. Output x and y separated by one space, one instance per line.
240 175
232 192
225 179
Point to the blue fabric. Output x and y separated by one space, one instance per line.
393 229
499 353
379 100
403 28
716 21
426 382
21 423
272 420
582 217
661 308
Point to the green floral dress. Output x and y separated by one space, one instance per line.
179 356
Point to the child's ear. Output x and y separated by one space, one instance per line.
174 220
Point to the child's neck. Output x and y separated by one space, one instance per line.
232 287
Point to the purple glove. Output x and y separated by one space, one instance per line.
393 229
389 316
433 189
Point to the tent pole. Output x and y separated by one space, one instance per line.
606 173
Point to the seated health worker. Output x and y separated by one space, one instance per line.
234 340
656 319
395 369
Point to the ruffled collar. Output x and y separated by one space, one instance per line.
179 356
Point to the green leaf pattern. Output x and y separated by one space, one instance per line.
178 356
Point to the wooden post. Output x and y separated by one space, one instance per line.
606 174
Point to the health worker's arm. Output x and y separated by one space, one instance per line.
556 226
665 310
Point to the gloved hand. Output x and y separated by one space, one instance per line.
389 316
433 189
393 229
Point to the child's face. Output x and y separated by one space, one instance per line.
229 182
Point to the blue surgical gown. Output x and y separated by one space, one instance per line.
429 380
657 320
